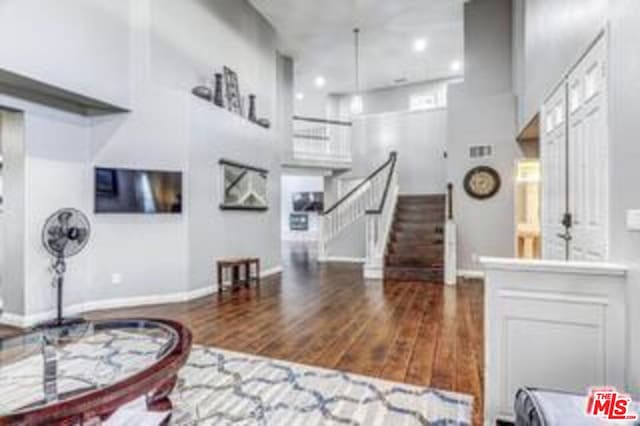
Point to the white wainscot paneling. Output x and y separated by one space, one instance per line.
553 325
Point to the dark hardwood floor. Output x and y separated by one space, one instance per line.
329 316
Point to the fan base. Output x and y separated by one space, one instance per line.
58 323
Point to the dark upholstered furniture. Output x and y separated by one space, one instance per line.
537 407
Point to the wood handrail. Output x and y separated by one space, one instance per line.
322 121
369 178
450 201
393 158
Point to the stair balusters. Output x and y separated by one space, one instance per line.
369 195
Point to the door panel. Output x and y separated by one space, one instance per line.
574 155
589 157
553 169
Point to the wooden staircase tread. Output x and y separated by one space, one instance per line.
428 251
415 235
416 245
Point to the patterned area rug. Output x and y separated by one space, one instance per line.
218 387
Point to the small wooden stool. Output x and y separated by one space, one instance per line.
234 265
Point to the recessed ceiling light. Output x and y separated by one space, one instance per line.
320 82
420 45
299 96
456 66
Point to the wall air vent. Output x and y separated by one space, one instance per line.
480 151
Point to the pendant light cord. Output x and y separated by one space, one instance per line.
356 33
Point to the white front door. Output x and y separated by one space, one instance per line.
574 151
553 160
589 156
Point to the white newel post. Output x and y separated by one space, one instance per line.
322 239
450 259
378 228
372 266
450 242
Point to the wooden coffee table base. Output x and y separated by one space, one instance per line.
159 401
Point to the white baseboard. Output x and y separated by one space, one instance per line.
341 259
471 274
273 271
12 320
22 321
373 272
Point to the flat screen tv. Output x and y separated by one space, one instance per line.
137 191
307 202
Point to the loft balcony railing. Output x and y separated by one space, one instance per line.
317 139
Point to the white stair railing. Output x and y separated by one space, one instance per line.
317 139
379 222
354 205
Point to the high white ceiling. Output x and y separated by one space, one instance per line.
318 34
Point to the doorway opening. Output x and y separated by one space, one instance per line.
302 204
528 195
528 209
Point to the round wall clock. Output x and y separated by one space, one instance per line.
482 182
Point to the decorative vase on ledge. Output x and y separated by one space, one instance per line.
218 99
252 108
202 92
264 122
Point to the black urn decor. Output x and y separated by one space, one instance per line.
252 108
218 98
264 122
482 182
202 92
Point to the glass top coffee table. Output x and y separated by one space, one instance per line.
78 373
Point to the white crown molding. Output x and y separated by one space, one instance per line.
22 321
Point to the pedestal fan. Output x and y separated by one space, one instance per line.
64 235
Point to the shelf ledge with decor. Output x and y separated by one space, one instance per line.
32 90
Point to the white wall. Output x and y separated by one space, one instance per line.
290 186
556 36
13 272
556 33
418 137
482 111
57 175
167 47
625 152
82 46
214 233
387 125
485 227
1 214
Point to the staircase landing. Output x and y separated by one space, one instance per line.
415 251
